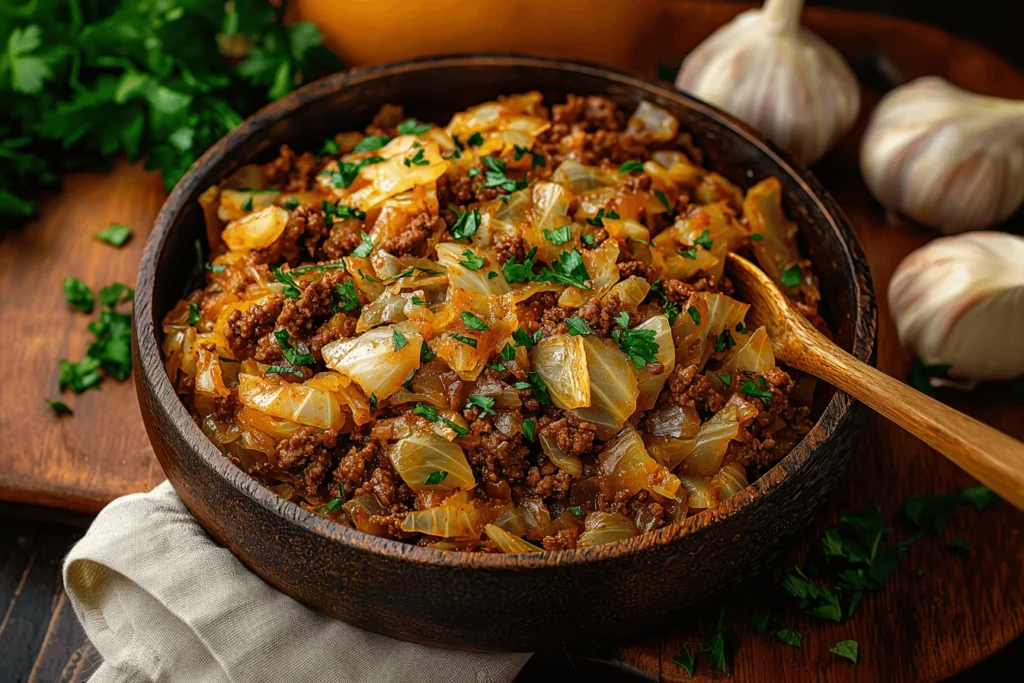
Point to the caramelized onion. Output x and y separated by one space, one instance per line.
605 527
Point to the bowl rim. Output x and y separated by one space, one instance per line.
154 379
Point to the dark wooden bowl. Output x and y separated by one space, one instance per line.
484 601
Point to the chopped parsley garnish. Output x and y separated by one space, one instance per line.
287 278
578 511
631 166
663 199
684 659
716 645
741 328
724 341
436 477
757 237
334 504
193 314
587 238
116 293
79 295
412 127
520 272
290 353
508 352
81 375
115 235
598 219
371 142
426 355
491 275
791 276
430 413
538 387
536 159
519 151
578 327
364 248
789 636
522 338
472 322
247 204
398 340
348 170
348 298
484 403
330 146
639 345
373 399
704 240
341 212
301 270
495 176
60 407
757 389
931 511
530 429
416 160
291 203
690 253
847 649
110 350
416 301
282 370
558 235
471 261
475 140
463 338
567 270
725 378
466 224
473 172
214 269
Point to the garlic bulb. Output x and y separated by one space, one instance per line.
960 301
945 157
783 80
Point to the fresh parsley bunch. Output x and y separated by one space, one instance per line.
82 80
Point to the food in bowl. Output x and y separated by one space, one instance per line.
512 333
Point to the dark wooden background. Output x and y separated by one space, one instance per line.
40 638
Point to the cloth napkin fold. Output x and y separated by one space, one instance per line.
162 602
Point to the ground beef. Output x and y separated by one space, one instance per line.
678 291
342 240
638 268
688 387
454 191
554 485
300 240
303 316
413 239
509 248
290 173
352 469
494 456
340 326
600 314
564 539
573 435
225 407
306 455
246 328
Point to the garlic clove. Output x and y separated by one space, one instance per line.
782 79
960 301
944 157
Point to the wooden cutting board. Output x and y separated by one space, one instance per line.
920 629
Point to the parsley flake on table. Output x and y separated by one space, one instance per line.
930 512
78 295
371 143
631 166
287 278
412 127
529 429
789 636
716 645
558 235
569 269
348 298
365 246
847 649
577 327
471 261
520 272
684 659
193 314
484 403
791 276
466 224
472 322
59 407
115 235
758 389
398 340
436 477
639 345
292 354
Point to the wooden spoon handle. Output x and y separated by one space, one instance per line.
991 457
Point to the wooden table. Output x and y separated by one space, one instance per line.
958 613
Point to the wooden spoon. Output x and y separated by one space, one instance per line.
991 457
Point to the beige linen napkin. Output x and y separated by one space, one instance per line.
162 602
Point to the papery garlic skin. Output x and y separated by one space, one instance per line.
945 157
780 78
960 301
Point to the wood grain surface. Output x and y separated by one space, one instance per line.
961 610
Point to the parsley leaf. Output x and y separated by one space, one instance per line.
341 212
598 219
484 403
330 146
663 199
463 338
569 269
690 253
466 224
704 240
398 340
116 293
472 322
789 636
79 295
816 600
348 298
520 272
471 261
426 355
282 370
333 505
724 341
436 477
416 160
725 378
291 203
475 140
558 235
639 345
496 177
288 350
430 413
530 429
752 389
791 276
373 399
60 407
193 314
684 659
716 645
757 237
412 127
631 166
348 170
578 327
522 338
116 235
578 511
694 314
538 387
587 238
291 286
847 649
81 375
371 143
365 246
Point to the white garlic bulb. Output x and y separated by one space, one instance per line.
960 301
945 157
780 78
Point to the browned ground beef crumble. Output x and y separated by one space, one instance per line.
313 465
